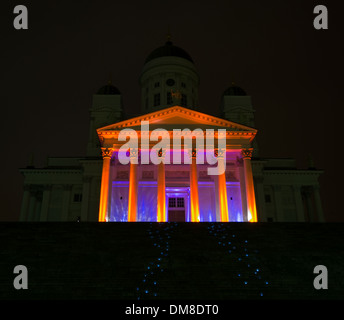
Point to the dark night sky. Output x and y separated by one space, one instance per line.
270 48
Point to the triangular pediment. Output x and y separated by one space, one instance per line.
177 118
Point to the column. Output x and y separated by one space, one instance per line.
298 204
133 186
38 207
261 199
250 196
306 203
240 164
66 200
194 202
278 203
32 205
307 192
104 188
222 187
86 182
45 202
318 205
217 199
25 204
161 203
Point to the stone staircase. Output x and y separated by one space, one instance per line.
140 261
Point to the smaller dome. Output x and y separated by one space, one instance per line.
234 90
109 89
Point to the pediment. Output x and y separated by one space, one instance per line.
177 118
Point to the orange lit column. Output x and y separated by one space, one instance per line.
194 202
133 186
104 190
161 205
250 197
222 188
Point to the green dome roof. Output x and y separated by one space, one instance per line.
168 50
109 89
234 91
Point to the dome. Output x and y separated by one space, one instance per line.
109 89
168 50
234 90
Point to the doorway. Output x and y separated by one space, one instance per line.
176 209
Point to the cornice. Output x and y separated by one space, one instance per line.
51 171
291 172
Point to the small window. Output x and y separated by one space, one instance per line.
267 198
184 100
270 220
180 202
183 85
156 99
156 84
172 202
77 197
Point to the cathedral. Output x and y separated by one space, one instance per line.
102 187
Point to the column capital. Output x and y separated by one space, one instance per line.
134 153
161 153
306 190
316 187
277 187
47 187
107 152
247 153
192 152
67 187
219 152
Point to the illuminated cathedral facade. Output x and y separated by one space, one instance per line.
101 187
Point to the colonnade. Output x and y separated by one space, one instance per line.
161 186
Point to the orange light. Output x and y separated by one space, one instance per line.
223 197
161 214
104 191
132 201
194 192
250 196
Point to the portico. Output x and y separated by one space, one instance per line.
208 195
